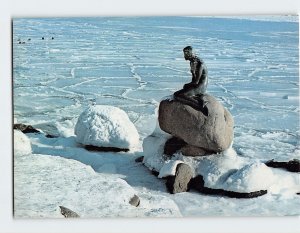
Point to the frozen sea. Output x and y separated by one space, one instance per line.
67 64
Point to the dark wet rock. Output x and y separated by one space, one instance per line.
139 159
190 150
292 165
30 129
135 201
212 133
51 136
245 195
156 173
105 149
197 183
68 213
172 145
26 128
180 182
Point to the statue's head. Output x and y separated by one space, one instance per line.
188 52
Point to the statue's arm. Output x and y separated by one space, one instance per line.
197 75
196 79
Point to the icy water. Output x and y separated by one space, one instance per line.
133 62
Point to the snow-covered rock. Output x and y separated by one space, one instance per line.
106 126
22 144
250 178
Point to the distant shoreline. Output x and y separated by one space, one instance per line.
269 18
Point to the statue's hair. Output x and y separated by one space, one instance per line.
188 48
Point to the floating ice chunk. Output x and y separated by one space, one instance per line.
252 177
22 144
268 94
54 50
106 126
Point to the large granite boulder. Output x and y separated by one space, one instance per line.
212 132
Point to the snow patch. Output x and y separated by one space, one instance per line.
153 147
169 168
217 167
77 187
66 128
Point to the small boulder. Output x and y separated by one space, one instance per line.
105 149
213 132
26 128
180 182
173 145
135 201
67 213
106 127
139 159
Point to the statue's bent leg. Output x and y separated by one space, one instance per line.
189 102
186 96
200 98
